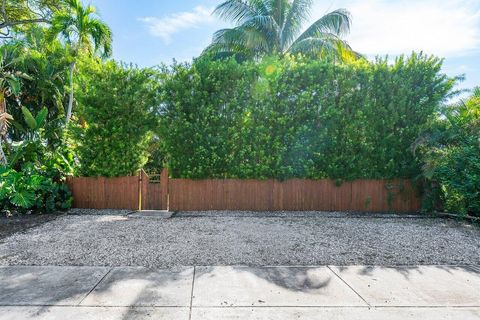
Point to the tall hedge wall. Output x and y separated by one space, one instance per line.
116 105
295 117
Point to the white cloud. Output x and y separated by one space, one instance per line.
166 26
446 28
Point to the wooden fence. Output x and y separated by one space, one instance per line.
293 195
105 193
234 194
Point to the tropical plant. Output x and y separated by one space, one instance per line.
34 178
80 27
9 86
32 188
450 151
48 62
265 27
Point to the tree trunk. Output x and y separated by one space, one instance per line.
70 97
3 158
3 129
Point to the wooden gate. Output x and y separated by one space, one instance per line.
154 191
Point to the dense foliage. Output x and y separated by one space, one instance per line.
45 62
35 176
15 15
451 150
299 117
116 118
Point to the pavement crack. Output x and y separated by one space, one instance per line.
191 294
351 288
95 286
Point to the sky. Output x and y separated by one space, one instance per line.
150 32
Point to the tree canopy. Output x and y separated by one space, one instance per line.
20 13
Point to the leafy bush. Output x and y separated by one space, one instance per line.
295 117
35 176
451 153
47 63
116 118
32 189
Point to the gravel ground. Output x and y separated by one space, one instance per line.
22 222
230 238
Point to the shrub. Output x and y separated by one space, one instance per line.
451 153
35 176
116 118
32 189
295 117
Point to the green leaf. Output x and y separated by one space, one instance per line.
17 126
41 117
23 199
15 156
29 119
14 85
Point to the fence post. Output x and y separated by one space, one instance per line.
164 188
142 189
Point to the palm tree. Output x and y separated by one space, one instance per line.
84 32
274 27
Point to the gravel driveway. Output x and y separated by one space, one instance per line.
231 238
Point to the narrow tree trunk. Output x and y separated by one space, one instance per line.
70 97
3 158
3 129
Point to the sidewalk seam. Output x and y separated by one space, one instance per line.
191 295
358 294
95 286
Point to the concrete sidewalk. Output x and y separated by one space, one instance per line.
204 293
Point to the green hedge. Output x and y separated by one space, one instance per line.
116 115
295 117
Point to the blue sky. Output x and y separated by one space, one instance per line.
149 32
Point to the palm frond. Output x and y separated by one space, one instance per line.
260 7
78 26
336 22
279 10
312 45
101 35
222 51
248 38
272 26
297 15
325 45
237 11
